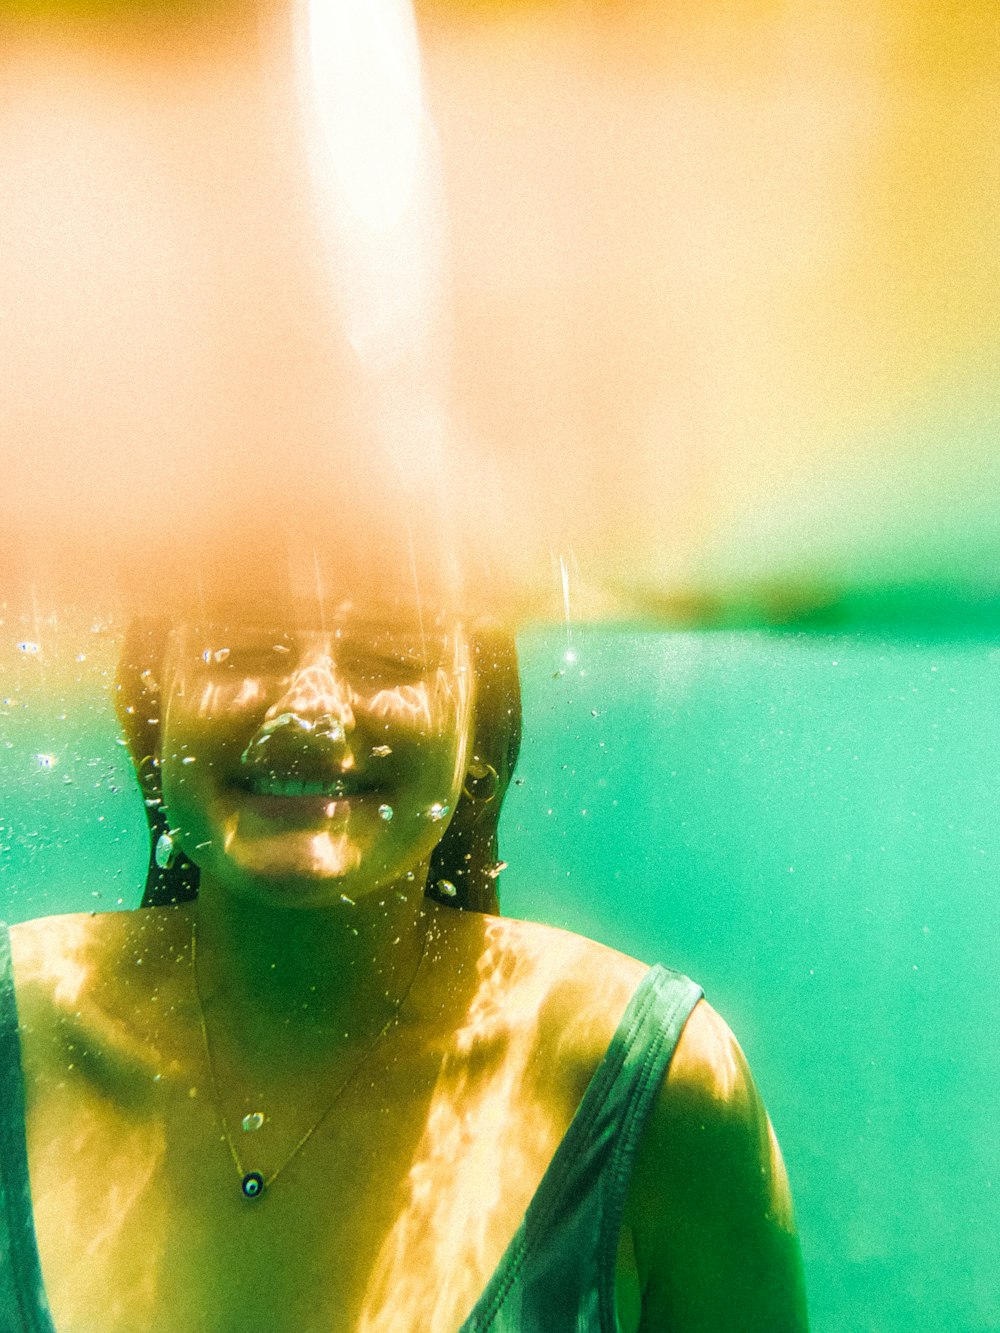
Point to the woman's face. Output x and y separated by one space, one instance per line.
304 765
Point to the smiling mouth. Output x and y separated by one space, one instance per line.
335 789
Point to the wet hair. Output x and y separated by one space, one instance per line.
464 865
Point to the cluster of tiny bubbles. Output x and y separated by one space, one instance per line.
385 812
27 646
446 888
255 1120
381 751
438 811
46 760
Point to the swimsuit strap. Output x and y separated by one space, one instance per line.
652 1041
558 1274
23 1304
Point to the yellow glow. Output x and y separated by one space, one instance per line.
455 1221
713 303
365 69
55 958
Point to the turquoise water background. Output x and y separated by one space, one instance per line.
806 823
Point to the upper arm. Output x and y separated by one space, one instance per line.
710 1209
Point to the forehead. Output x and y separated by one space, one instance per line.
334 618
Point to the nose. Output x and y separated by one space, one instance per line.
317 693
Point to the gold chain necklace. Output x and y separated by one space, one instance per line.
254 1183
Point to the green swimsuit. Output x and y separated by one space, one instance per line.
558 1273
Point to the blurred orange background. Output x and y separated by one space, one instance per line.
682 307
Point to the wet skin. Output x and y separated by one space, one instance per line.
296 765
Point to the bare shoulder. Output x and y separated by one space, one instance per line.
710 1208
61 957
574 974
565 994
62 950
85 987
52 957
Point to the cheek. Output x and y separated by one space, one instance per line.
208 717
431 710
195 748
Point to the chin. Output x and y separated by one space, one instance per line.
320 870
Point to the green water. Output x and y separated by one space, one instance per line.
805 823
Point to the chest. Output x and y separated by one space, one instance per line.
392 1215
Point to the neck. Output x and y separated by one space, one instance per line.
333 973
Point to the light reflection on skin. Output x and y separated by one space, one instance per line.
56 960
66 1201
59 962
251 712
487 1138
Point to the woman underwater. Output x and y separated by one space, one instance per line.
317 1083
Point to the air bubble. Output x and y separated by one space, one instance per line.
46 760
385 812
27 646
381 751
496 869
438 811
330 727
348 902
446 888
255 1120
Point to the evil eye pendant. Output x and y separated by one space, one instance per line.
252 1185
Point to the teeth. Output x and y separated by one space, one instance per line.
292 787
